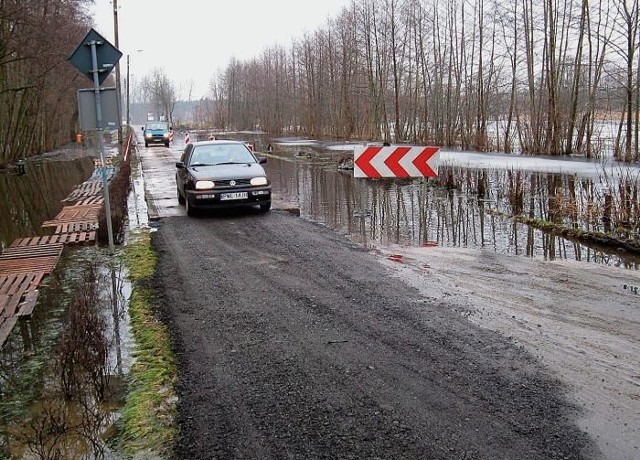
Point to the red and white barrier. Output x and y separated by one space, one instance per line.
397 161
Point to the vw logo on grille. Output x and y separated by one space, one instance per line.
232 183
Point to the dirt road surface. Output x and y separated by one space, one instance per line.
293 342
580 320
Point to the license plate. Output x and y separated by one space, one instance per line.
234 196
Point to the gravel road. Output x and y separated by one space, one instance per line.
294 343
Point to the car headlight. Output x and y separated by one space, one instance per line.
204 185
148 135
259 181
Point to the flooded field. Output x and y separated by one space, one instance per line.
27 200
63 372
469 204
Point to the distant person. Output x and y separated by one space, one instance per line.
269 148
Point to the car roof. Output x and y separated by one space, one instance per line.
217 142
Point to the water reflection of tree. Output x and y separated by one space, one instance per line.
26 201
467 208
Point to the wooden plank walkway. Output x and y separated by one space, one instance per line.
93 186
80 237
107 160
92 200
22 268
18 297
28 260
13 288
75 215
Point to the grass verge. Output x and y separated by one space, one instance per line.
148 418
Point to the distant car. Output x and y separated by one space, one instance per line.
156 132
221 174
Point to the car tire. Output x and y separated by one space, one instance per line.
190 209
166 144
146 144
265 207
181 199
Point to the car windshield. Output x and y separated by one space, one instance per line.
156 126
221 154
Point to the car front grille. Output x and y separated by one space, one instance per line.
238 183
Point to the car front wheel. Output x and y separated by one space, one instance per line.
265 207
181 199
190 209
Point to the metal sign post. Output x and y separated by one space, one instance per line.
96 64
105 182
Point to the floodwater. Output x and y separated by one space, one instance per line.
27 200
31 380
29 369
468 205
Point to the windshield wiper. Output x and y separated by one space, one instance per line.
201 164
233 163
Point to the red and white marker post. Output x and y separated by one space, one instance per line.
401 162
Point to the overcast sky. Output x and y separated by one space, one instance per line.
191 39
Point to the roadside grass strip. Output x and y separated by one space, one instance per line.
149 422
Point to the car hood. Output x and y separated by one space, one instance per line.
227 172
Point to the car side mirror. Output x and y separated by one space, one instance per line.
262 160
142 128
180 165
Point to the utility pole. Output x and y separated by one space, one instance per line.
128 93
118 85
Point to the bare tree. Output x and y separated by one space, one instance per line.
37 85
628 19
479 74
159 93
